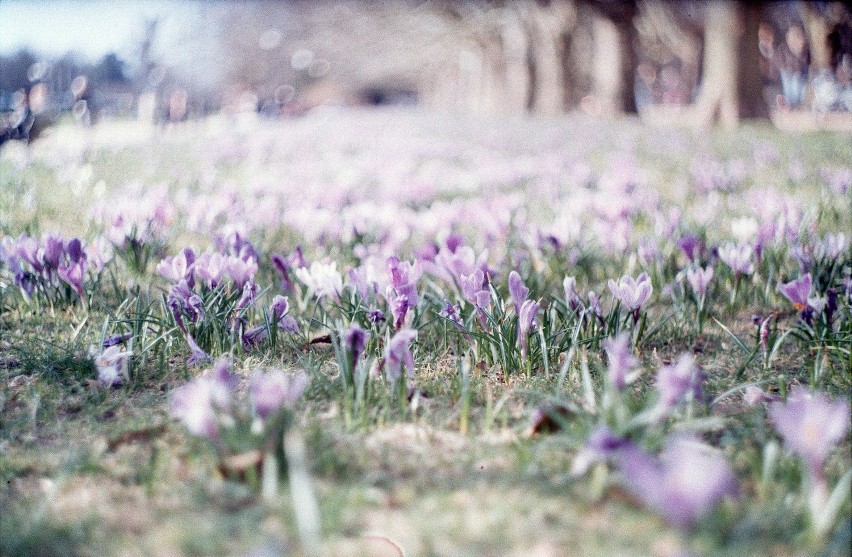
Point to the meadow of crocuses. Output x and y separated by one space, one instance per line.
390 332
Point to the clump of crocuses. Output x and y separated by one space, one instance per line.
279 320
211 296
53 267
684 483
245 426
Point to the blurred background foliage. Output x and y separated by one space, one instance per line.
683 62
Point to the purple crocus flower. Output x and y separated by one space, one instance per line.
116 339
210 267
404 277
74 250
632 293
26 282
452 263
254 336
73 273
224 380
475 289
274 390
454 242
691 246
399 309
811 424
754 395
569 285
678 380
798 291
355 341
359 279
601 445
376 316
595 306
247 298
288 324
179 267
620 360
183 300
398 354
29 250
241 270
197 403
8 254
279 310
830 304
472 284
427 252
191 404
526 321
53 250
284 266
517 290
699 279
689 479
233 243
197 355
686 482
452 312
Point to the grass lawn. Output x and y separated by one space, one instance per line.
474 450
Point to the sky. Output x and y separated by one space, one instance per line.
92 28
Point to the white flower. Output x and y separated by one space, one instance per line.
738 257
744 229
322 279
112 365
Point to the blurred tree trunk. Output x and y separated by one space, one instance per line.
627 63
680 34
718 97
614 55
817 29
730 81
751 101
614 61
547 23
518 80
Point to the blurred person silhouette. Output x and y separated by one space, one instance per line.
18 122
840 43
793 60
